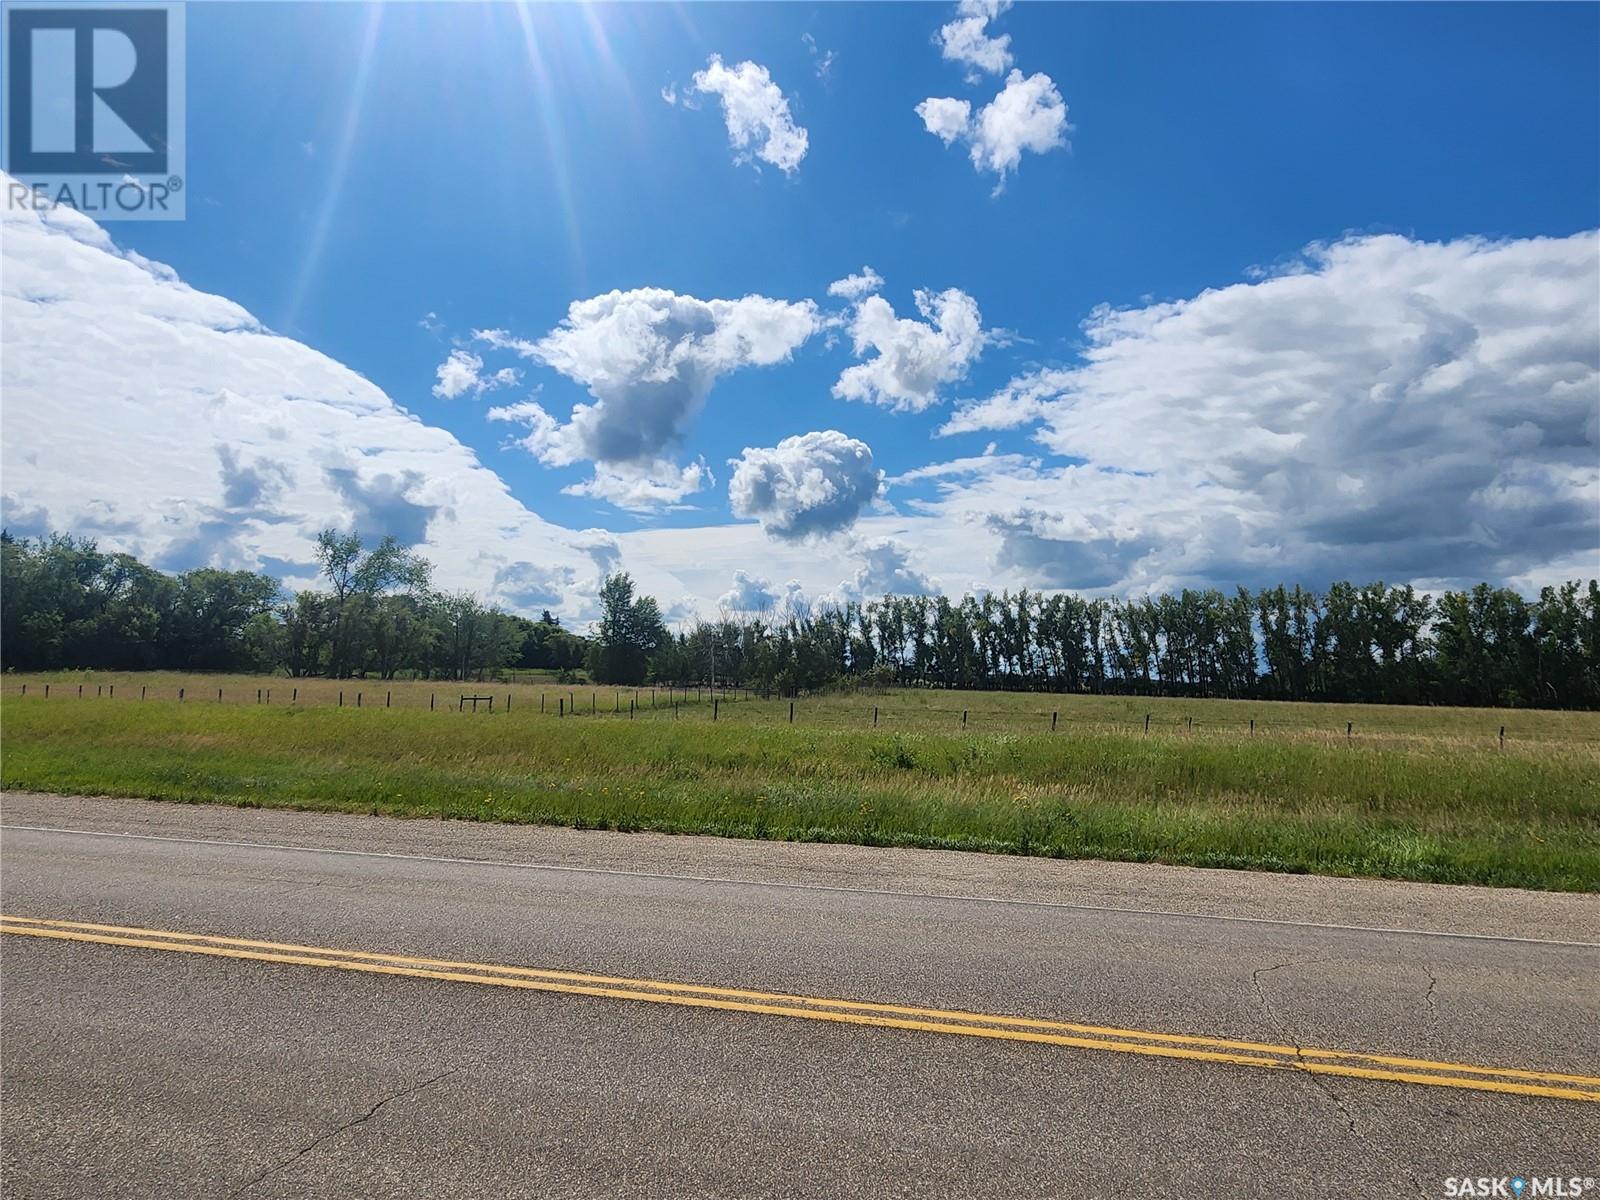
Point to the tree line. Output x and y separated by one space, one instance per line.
64 603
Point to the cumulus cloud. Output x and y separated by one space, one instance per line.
525 586
649 358
1381 407
1020 402
946 117
1027 114
885 570
853 287
751 594
171 424
966 40
910 359
756 113
462 373
641 488
812 485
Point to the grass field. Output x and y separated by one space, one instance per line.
1410 793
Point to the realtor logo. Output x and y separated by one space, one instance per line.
94 104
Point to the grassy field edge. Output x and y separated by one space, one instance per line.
1452 816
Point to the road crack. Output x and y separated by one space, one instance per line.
335 1132
1319 1082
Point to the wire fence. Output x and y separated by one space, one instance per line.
746 708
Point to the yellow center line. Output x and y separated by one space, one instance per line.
861 1013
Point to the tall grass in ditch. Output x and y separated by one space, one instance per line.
1444 809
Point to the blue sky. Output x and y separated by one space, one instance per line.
354 169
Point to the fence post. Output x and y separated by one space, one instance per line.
269 695
1053 717
294 696
341 697
1147 722
791 712
1252 727
47 691
1191 723
491 705
652 697
508 701
180 695
219 695
258 695
674 710
358 699
1502 737
111 691
98 688
963 718
24 689
874 716
541 701
594 703
80 691
713 708
430 701
1348 727
561 706
141 691
631 706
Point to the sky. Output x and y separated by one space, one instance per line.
771 301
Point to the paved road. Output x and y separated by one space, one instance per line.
695 1018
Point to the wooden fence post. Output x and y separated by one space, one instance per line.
1053 717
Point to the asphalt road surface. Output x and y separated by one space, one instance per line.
215 1002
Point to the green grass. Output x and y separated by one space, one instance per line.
1423 794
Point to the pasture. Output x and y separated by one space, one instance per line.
1409 793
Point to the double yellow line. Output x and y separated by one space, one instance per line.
1353 1064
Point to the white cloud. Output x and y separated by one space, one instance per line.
171 424
640 488
756 113
885 570
1381 408
752 594
1020 402
649 358
853 287
966 40
946 117
1027 114
812 485
824 58
462 373
912 359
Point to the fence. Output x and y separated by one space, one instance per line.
672 703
